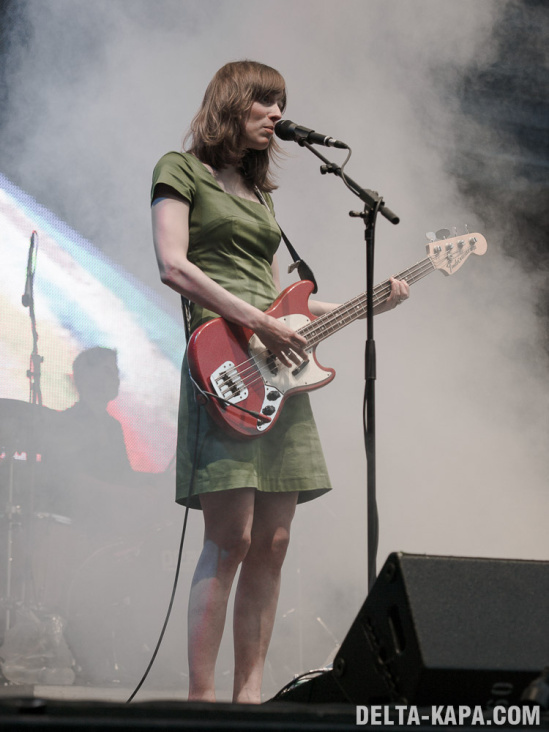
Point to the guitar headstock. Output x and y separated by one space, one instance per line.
449 253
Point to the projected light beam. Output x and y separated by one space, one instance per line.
82 300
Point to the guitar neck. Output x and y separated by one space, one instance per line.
336 319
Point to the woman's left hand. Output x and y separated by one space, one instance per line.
400 291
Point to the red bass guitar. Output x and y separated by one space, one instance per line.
245 386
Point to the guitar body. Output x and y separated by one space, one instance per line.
230 362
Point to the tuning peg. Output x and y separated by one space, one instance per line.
443 233
431 236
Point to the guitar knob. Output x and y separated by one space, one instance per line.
268 410
437 249
272 396
449 247
461 244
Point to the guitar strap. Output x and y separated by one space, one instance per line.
304 271
186 307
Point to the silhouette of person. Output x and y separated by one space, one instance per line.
92 440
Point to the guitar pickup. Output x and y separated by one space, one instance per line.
271 364
298 369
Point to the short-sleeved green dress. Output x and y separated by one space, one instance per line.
233 241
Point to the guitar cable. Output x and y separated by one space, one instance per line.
179 557
186 311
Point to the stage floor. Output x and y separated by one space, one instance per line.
87 707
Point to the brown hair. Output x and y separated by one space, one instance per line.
216 132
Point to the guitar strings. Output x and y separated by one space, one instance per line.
356 306
334 320
334 317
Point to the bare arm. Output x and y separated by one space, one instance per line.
170 220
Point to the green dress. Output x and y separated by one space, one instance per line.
233 241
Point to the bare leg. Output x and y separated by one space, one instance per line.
258 589
228 519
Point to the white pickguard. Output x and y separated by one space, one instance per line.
285 378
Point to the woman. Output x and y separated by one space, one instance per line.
215 244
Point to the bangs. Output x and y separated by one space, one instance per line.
268 84
238 84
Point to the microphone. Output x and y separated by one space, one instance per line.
287 130
26 298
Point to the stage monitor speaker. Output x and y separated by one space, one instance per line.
447 630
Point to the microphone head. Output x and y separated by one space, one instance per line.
285 129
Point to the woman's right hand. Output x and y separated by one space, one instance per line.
286 344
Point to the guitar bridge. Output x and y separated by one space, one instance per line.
227 383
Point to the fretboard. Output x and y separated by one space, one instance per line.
336 319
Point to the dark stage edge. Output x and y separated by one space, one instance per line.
28 712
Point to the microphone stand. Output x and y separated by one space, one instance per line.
373 204
34 374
